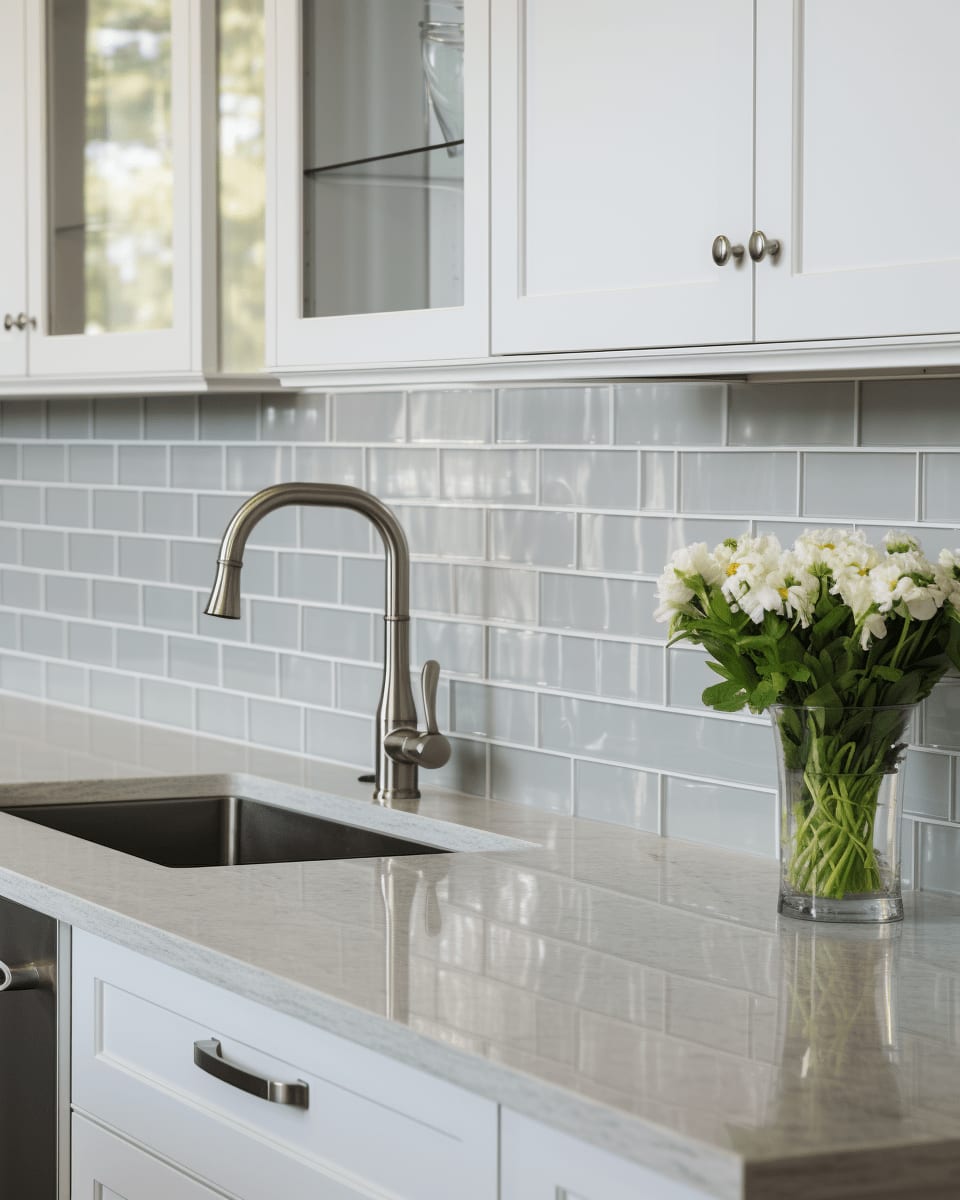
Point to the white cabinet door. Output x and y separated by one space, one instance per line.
107 1168
377 207
538 1163
13 212
858 106
622 146
115 152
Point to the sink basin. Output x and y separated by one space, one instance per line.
214 831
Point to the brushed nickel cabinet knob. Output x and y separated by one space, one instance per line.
21 321
723 250
760 246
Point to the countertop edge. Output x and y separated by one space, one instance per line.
684 1159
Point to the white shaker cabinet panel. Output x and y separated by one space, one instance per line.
146 1040
622 145
538 1163
13 211
107 1168
858 106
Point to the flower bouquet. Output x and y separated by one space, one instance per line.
838 640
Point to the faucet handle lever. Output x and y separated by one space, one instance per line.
426 748
429 682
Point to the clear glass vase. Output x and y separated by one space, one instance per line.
841 797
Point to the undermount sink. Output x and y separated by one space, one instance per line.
215 831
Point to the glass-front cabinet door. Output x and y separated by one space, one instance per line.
113 184
378 212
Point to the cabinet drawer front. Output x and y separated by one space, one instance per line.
373 1127
107 1168
538 1163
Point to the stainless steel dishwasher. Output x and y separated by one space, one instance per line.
34 1058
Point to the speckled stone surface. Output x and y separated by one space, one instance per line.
638 993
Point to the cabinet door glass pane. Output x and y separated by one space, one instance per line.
110 166
242 184
383 155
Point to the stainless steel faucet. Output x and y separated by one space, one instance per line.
400 746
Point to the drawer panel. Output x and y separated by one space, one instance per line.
107 1168
373 1127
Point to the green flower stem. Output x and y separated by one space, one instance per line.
832 851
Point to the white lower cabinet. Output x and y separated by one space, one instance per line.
372 1128
105 1167
538 1163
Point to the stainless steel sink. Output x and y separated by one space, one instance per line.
214 831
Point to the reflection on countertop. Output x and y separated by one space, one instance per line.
637 992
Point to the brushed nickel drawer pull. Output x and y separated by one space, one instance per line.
208 1056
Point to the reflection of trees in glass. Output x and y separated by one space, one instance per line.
242 184
112 208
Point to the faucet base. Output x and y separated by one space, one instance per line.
388 795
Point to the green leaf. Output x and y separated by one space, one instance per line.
725 697
891 674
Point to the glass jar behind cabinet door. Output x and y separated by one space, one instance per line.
114 206
380 218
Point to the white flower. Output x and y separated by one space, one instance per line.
674 589
905 583
753 575
874 626
947 575
897 542
835 550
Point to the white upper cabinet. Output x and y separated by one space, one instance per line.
13 200
858 106
622 146
377 184
113 246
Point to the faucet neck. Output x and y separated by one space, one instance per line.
396 710
329 495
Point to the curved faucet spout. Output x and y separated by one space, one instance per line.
400 747
225 597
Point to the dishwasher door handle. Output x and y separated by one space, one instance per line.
26 976
208 1056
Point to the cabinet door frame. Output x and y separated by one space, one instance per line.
390 337
103 1160
161 351
13 197
715 309
895 301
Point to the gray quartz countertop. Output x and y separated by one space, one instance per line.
639 993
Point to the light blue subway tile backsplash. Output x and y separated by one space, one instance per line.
502 714
450 416
619 795
738 483
546 539
723 816
670 414
589 478
541 780
551 415
905 412
941 488
538 519
622 607
880 485
146 466
792 414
